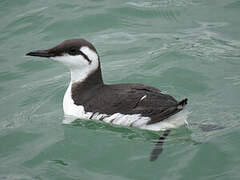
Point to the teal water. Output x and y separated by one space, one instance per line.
187 48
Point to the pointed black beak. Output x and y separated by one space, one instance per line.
40 53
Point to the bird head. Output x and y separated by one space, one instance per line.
79 55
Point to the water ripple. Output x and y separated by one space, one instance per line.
162 3
235 79
233 5
31 12
201 42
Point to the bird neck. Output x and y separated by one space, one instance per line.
80 89
86 78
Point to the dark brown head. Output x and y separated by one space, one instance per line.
78 54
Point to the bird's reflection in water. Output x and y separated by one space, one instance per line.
157 138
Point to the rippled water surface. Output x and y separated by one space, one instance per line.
187 48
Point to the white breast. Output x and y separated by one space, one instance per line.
72 109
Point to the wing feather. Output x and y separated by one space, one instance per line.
126 99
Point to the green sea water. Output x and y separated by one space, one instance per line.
187 48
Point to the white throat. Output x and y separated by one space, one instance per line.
79 66
85 69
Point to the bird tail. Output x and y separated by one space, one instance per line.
182 103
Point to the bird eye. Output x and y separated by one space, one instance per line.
72 51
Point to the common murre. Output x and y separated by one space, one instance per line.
88 97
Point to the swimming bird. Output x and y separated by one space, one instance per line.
88 97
